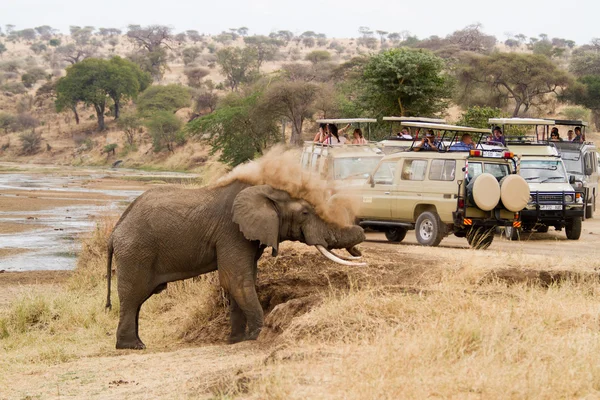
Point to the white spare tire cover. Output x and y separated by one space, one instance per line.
514 192
486 191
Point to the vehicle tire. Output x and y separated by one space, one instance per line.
484 191
514 192
573 228
512 233
396 234
429 229
542 229
480 238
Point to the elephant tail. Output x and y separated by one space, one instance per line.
109 273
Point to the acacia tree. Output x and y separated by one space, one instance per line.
94 82
523 78
152 42
266 48
586 92
406 82
239 129
126 81
238 65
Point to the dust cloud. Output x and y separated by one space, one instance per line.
280 168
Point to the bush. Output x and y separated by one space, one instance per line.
195 75
30 142
189 54
7 122
477 117
163 98
130 124
26 121
318 56
14 88
38 47
165 131
54 42
575 113
10 66
110 148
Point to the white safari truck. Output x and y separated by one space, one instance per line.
553 201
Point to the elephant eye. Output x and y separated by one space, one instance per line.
304 212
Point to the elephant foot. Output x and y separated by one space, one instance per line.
133 345
236 338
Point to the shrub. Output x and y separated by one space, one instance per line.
165 128
26 121
318 56
7 122
195 75
14 88
54 42
477 117
163 98
38 47
30 142
10 66
130 124
580 113
189 54
110 148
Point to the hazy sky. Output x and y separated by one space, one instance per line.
570 19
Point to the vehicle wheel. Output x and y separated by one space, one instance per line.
573 228
395 234
480 238
542 228
429 229
511 233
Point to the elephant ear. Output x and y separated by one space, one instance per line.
255 211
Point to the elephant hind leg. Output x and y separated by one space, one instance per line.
131 302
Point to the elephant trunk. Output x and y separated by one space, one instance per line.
347 238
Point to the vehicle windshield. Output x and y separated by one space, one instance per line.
573 162
536 171
354 167
498 170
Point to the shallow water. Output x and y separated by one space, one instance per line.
56 240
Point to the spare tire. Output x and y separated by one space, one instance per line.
484 191
514 192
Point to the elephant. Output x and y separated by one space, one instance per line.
170 234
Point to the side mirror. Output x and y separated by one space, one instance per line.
572 179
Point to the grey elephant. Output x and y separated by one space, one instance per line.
170 234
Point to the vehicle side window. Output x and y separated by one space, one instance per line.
385 173
315 162
475 169
442 170
414 170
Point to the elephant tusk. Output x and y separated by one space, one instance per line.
335 258
348 258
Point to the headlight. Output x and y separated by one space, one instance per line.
568 198
578 184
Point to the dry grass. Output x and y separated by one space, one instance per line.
416 323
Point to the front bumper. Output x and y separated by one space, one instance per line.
555 216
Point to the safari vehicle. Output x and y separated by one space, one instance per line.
396 142
581 161
436 193
553 201
341 164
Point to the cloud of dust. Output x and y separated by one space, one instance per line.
280 168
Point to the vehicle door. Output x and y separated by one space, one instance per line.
410 187
439 188
376 199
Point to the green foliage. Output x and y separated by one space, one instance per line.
130 123
54 42
317 56
405 82
31 77
2 49
38 47
163 98
266 48
586 92
585 63
189 54
14 88
477 117
30 142
576 113
110 148
165 130
526 79
239 129
239 66
195 75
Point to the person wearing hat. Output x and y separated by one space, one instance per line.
554 135
428 143
497 136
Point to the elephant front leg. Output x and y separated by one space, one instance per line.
238 321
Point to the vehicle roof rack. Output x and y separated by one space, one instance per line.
521 121
346 120
415 119
570 122
446 127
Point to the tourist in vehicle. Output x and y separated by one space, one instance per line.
578 137
465 144
358 137
570 135
333 134
498 136
320 136
555 136
404 134
428 143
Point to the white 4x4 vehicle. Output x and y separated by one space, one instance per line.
443 190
